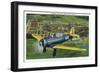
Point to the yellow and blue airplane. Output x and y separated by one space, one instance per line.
54 41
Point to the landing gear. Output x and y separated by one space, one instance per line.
54 52
44 49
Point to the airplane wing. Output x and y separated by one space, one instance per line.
37 37
68 48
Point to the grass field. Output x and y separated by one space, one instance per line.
31 54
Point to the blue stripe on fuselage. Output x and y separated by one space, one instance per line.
48 42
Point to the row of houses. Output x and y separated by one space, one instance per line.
43 28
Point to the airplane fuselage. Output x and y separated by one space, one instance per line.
50 40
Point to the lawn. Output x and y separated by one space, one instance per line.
31 54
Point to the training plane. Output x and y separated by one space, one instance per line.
55 41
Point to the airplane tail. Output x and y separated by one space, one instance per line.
72 32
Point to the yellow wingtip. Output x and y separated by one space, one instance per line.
69 48
37 37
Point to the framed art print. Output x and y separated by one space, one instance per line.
52 36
